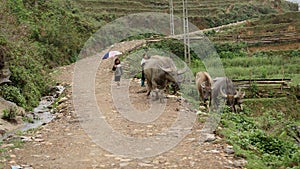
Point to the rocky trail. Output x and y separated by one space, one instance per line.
64 143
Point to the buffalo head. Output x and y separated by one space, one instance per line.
233 99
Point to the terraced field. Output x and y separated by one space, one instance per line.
204 14
268 47
270 29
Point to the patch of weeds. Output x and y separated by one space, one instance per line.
28 119
19 133
33 130
9 114
253 90
260 139
17 144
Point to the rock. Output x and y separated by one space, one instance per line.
125 160
39 140
13 156
124 164
155 162
38 136
240 163
211 151
63 100
145 165
26 166
26 139
18 120
15 167
229 150
62 106
214 151
207 137
191 139
147 161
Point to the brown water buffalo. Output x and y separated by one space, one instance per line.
224 88
159 71
204 87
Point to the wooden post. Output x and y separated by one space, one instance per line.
250 77
172 18
282 69
186 38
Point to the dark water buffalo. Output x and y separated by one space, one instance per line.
204 86
159 71
224 88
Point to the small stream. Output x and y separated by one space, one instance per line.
41 114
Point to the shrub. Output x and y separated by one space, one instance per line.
13 94
9 114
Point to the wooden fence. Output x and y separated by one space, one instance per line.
274 83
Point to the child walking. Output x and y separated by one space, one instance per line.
118 71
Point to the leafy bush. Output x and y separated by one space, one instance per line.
13 94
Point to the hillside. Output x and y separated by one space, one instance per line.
202 13
36 37
280 31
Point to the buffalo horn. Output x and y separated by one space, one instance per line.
182 71
223 94
203 85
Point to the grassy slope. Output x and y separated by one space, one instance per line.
34 39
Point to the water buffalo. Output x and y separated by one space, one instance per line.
159 71
224 88
204 87
238 100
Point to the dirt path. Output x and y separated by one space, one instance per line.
64 144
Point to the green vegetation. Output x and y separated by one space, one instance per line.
267 64
266 141
28 119
50 34
9 114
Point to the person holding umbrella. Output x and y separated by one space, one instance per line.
118 70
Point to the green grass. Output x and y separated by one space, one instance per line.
265 140
271 66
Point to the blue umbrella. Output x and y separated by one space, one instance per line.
111 54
